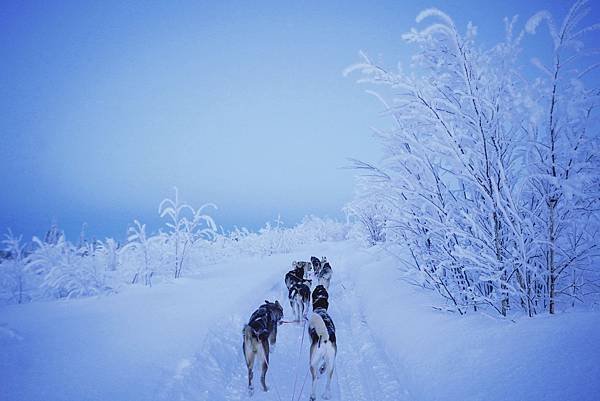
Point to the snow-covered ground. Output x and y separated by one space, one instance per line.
182 341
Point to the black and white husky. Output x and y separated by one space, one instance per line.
320 298
316 264
291 278
324 275
296 276
299 295
259 333
305 266
323 349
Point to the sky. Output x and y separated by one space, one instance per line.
106 106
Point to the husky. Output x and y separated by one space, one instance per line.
323 349
306 267
324 275
316 264
259 334
320 298
300 269
299 296
297 270
296 276
292 278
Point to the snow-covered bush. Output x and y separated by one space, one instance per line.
67 271
369 210
275 238
56 268
12 269
488 177
187 226
139 254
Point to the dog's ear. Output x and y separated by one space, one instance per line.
277 302
267 302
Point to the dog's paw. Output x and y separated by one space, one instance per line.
312 398
250 391
265 389
327 395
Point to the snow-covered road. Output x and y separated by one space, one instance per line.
182 341
363 373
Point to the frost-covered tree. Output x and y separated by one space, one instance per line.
66 271
186 227
458 174
563 156
53 234
369 207
12 268
138 243
110 251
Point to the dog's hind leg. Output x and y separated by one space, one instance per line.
330 361
327 393
249 354
297 309
265 364
314 372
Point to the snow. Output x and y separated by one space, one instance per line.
182 341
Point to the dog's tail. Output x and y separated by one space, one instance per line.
317 323
250 343
324 355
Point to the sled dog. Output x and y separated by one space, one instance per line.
296 276
316 264
299 296
324 275
292 278
259 334
305 266
323 349
320 298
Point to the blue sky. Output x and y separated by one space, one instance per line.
105 106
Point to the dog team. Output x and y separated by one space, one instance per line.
260 334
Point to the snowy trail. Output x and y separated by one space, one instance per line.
182 341
363 371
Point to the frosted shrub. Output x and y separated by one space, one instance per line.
12 270
67 271
186 226
59 269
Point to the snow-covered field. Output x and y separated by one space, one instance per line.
182 341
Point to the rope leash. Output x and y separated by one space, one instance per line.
298 360
303 383
289 321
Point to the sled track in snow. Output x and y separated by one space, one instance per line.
363 371
218 372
